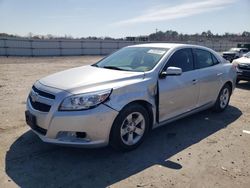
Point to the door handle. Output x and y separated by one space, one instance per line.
194 81
219 74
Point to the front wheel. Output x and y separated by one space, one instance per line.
129 128
223 98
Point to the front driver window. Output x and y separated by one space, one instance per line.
182 59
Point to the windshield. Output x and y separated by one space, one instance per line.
234 50
138 59
247 55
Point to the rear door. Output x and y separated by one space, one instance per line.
178 94
210 73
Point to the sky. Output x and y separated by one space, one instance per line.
120 18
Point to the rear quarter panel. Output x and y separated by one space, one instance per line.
229 73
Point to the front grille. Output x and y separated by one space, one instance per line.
39 106
43 94
244 66
228 56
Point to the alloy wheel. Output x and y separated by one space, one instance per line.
224 98
133 128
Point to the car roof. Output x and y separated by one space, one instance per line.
240 48
165 45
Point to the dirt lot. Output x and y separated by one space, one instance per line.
204 150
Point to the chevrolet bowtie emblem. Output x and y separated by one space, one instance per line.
34 96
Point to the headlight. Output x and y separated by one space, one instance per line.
235 63
84 101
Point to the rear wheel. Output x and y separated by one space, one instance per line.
223 98
129 128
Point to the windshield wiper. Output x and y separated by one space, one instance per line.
95 65
114 68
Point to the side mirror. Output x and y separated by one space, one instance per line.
171 71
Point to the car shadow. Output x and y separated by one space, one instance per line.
32 163
243 85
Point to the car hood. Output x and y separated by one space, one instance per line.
87 77
229 53
244 60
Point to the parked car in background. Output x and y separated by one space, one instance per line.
234 53
243 67
119 99
244 45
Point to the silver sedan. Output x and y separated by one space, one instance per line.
119 99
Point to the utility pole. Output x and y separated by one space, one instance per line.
156 31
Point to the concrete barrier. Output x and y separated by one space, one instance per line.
56 47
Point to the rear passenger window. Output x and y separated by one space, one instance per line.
203 58
182 59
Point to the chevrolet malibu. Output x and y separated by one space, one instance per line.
118 100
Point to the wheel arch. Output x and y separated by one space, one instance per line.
148 106
230 85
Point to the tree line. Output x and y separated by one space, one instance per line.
206 35
168 35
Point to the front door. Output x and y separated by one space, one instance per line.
178 94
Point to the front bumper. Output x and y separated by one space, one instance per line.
61 127
243 74
229 57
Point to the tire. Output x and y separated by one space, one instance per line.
223 98
129 128
237 81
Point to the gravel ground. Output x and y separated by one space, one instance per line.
203 150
